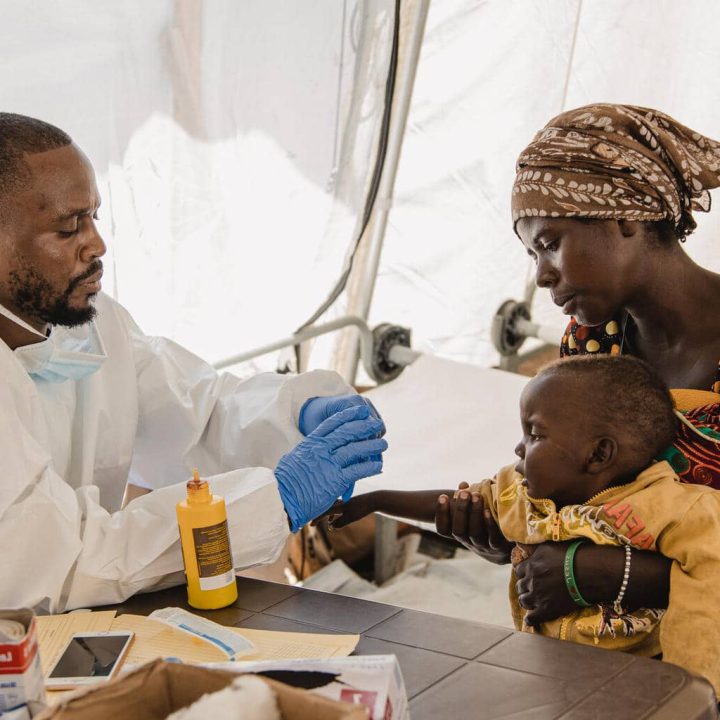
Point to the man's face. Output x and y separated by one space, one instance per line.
591 269
50 249
556 443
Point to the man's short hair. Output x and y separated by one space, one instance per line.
19 136
623 394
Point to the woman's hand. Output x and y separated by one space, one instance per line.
598 573
541 584
471 523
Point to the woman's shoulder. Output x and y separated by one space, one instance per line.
587 339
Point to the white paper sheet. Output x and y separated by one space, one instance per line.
446 422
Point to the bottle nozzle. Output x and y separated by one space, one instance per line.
197 488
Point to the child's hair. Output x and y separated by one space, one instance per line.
625 393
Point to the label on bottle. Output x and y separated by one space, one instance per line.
214 559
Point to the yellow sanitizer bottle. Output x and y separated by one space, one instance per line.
202 519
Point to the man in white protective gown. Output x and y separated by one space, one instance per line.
88 404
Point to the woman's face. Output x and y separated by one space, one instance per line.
590 268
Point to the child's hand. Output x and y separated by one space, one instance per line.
344 513
466 519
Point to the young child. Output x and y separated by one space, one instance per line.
591 428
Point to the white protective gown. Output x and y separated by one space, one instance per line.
150 414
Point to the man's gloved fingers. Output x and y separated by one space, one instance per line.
348 493
358 451
307 416
342 402
358 471
373 411
348 415
374 414
362 429
317 409
354 431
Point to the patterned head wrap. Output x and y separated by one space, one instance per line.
617 162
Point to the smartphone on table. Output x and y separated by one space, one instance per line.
88 659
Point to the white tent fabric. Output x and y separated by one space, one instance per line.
491 74
233 143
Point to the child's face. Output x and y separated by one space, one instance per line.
556 445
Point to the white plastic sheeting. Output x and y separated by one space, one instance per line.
233 143
491 74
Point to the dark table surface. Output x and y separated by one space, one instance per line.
461 669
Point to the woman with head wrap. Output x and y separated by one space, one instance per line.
602 200
602 196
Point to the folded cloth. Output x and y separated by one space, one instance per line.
246 698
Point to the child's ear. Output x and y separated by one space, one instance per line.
603 455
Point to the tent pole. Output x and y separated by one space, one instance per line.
361 284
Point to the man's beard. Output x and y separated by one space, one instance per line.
35 297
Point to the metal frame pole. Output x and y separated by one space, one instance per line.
361 284
362 279
366 341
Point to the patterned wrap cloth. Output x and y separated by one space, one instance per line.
616 162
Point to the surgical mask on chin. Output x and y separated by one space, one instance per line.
65 355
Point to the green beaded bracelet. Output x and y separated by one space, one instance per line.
569 575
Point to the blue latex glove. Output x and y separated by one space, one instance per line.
317 409
328 462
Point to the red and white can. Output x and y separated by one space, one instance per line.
21 677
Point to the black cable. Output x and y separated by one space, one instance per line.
375 179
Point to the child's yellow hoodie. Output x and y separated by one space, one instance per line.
654 512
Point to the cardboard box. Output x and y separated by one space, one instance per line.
21 677
372 681
154 690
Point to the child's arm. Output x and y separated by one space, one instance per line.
418 505
465 517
